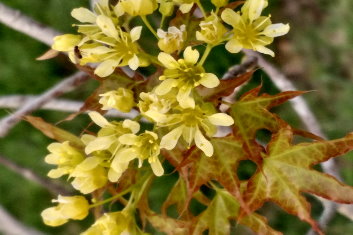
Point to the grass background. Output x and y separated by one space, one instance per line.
316 55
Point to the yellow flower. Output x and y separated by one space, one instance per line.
108 139
145 146
109 133
185 5
185 75
172 40
189 123
89 175
115 223
65 157
155 107
219 3
90 28
121 99
250 29
138 7
116 49
75 207
212 30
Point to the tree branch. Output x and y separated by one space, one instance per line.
28 174
22 23
64 105
62 87
10 226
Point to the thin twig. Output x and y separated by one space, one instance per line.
308 119
10 226
30 175
62 87
22 23
63 105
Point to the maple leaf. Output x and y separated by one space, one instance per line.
223 208
251 113
286 171
198 169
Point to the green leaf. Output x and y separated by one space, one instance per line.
251 113
286 171
223 208
54 132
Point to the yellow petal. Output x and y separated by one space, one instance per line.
157 167
170 140
166 86
203 144
184 98
114 176
56 173
221 119
100 143
52 217
106 68
98 119
128 139
230 17
264 50
255 8
191 55
132 125
185 8
107 26
89 163
136 33
276 30
167 60
209 80
233 46
134 62
83 15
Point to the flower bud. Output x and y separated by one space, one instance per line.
75 207
121 99
172 40
138 7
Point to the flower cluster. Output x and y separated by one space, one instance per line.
172 102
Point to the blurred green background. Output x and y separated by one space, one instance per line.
316 55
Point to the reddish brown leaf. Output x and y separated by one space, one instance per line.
286 171
222 166
251 113
54 132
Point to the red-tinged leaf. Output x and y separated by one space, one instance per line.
251 113
54 132
223 208
286 171
222 166
225 88
169 225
